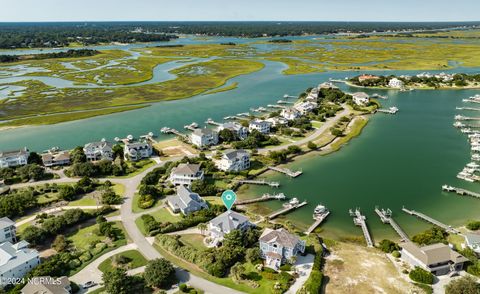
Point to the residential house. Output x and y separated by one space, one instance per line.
204 137
277 121
290 113
361 98
185 174
279 246
98 151
240 131
47 285
439 259
186 201
225 223
137 150
327 85
472 241
306 107
396 83
8 230
234 160
14 157
367 77
56 158
313 95
260 125
16 260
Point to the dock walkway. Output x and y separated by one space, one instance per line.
386 218
264 197
360 220
286 171
285 210
318 221
260 182
426 218
460 191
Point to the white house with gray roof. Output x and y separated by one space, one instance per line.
472 241
290 113
234 160
186 201
361 98
101 150
16 260
279 246
14 158
262 126
137 150
185 174
439 259
225 223
8 230
240 131
306 107
204 137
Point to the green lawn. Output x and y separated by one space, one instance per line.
47 198
146 163
82 238
86 200
194 240
135 257
162 215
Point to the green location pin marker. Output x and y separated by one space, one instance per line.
228 198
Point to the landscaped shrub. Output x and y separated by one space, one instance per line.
286 267
421 276
86 256
396 254
74 263
98 248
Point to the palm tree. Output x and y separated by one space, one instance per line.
202 227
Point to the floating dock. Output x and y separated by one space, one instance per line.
286 171
360 220
265 197
433 221
260 182
391 110
460 191
286 209
386 218
318 220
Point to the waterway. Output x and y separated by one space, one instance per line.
397 160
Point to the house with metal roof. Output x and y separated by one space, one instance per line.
47 285
16 260
439 259
14 158
186 201
279 246
234 160
185 174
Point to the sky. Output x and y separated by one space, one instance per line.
239 10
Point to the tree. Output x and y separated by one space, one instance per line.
202 227
237 271
473 225
388 246
34 235
77 155
253 254
60 243
463 285
431 236
33 157
109 197
311 145
159 273
227 135
117 150
421 276
67 192
116 281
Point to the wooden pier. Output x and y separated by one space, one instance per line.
391 110
360 220
338 81
286 96
286 171
468 108
265 197
318 220
471 100
460 191
212 122
260 182
166 130
285 210
386 218
433 221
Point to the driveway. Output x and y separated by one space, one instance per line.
303 266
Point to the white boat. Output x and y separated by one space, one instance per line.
320 209
292 202
459 117
473 165
476 157
150 134
448 188
129 137
458 124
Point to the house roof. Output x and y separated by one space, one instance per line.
229 220
232 154
47 285
231 126
6 222
9 153
360 95
13 255
138 145
280 236
186 198
272 254
472 238
203 132
432 254
186 169
98 145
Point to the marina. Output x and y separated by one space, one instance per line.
319 215
265 197
360 220
287 207
286 171
433 221
260 182
386 218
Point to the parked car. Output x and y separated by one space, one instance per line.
89 284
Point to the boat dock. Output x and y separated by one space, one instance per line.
386 218
318 220
286 209
260 182
471 100
360 220
284 102
338 81
265 197
426 218
461 117
468 108
286 96
376 95
460 191
212 122
286 171
391 110
166 130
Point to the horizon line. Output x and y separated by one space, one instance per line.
299 21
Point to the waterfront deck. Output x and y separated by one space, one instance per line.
285 210
460 191
260 182
433 221
286 171
265 197
360 220
318 221
386 218
166 130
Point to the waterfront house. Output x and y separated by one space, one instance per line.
185 174
361 98
472 241
8 230
260 125
47 285
277 121
234 160
279 246
14 157
395 83
367 77
240 131
306 107
439 259
290 113
327 85
225 223
312 95
16 260
98 151
204 137
185 201
55 158
137 150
